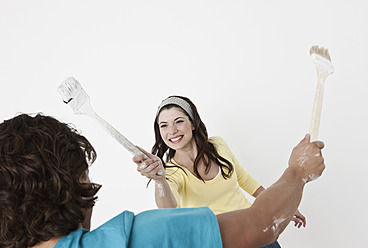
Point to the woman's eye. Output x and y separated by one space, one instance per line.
163 126
179 121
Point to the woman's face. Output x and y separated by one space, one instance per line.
175 128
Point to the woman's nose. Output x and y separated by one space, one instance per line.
173 129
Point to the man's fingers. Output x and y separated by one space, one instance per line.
319 144
306 138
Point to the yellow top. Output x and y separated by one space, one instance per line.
219 194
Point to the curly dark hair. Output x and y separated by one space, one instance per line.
44 187
206 150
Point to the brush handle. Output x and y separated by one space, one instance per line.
86 109
116 135
317 107
119 137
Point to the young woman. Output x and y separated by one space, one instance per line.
199 171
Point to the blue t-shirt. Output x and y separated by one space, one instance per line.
163 228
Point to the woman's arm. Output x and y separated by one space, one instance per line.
150 168
163 194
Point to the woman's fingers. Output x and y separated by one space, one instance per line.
148 164
151 168
138 158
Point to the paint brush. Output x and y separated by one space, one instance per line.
322 61
77 98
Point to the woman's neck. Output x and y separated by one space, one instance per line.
186 156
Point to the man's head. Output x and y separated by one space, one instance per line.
44 187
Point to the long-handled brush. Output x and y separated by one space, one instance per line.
74 95
321 59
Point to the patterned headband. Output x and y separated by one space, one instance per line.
178 102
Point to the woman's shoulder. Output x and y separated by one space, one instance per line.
172 163
175 172
217 141
221 146
173 166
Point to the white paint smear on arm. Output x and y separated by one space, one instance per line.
161 190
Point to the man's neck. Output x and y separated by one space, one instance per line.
48 244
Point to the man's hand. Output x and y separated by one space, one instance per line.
307 156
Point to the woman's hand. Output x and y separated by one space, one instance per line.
153 169
150 167
299 219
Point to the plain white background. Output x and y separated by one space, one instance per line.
246 66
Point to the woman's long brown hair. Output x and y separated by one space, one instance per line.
206 150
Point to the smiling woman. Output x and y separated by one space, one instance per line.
199 171
184 136
176 128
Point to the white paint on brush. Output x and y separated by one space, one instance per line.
77 98
322 61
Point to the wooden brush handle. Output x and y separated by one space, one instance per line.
116 135
317 108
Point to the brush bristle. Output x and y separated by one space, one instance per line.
320 51
69 89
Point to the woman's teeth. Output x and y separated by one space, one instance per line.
176 139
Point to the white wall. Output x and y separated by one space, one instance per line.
245 64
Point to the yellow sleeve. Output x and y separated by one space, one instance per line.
245 180
175 179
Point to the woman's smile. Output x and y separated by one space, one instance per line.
176 139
